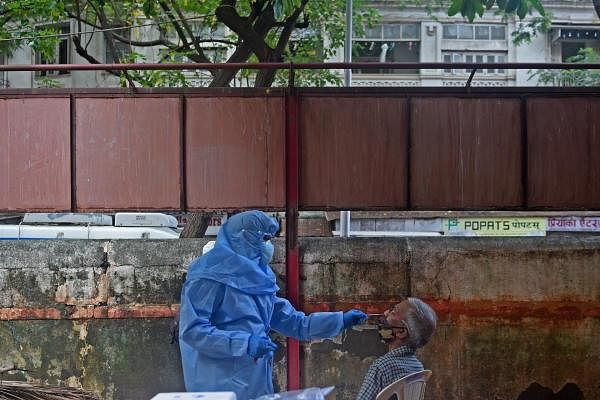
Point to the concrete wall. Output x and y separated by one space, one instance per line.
513 312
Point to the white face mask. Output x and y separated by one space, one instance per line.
266 253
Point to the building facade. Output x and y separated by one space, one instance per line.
405 34
412 35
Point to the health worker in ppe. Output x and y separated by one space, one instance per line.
229 305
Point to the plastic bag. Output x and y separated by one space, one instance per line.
313 393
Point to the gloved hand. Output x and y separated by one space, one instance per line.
258 346
354 317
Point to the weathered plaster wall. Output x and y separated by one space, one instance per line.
512 311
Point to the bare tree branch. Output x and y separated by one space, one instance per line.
265 77
227 14
111 43
224 76
142 43
262 25
201 56
187 28
119 20
81 19
83 53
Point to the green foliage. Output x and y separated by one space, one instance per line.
526 31
47 82
470 9
150 79
572 77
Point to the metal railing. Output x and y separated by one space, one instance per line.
293 67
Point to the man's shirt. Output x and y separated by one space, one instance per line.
388 369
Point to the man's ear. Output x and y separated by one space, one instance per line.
400 333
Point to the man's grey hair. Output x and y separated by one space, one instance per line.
421 321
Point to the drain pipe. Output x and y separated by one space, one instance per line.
345 224
348 44
345 215
292 258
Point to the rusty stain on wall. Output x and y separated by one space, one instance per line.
88 312
515 310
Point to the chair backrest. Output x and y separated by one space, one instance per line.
409 387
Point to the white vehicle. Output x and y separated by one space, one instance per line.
92 226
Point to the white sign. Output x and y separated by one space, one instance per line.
495 226
574 224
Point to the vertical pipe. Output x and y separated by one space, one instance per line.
292 259
344 223
348 44
345 215
73 133
182 153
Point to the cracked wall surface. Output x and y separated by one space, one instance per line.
514 314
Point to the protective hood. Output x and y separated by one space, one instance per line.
235 259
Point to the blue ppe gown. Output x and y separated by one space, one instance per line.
227 297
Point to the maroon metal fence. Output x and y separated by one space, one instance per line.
418 148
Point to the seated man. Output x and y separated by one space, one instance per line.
412 323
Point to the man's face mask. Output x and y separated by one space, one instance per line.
392 323
385 330
388 333
266 253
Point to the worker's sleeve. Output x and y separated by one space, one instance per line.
371 385
319 325
201 298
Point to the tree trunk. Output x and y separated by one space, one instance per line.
265 77
196 225
198 222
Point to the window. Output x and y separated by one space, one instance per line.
61 53
572 40
122 49
498 32
465 32
570 49
473 57
579 34
474 32
482 32
397 42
